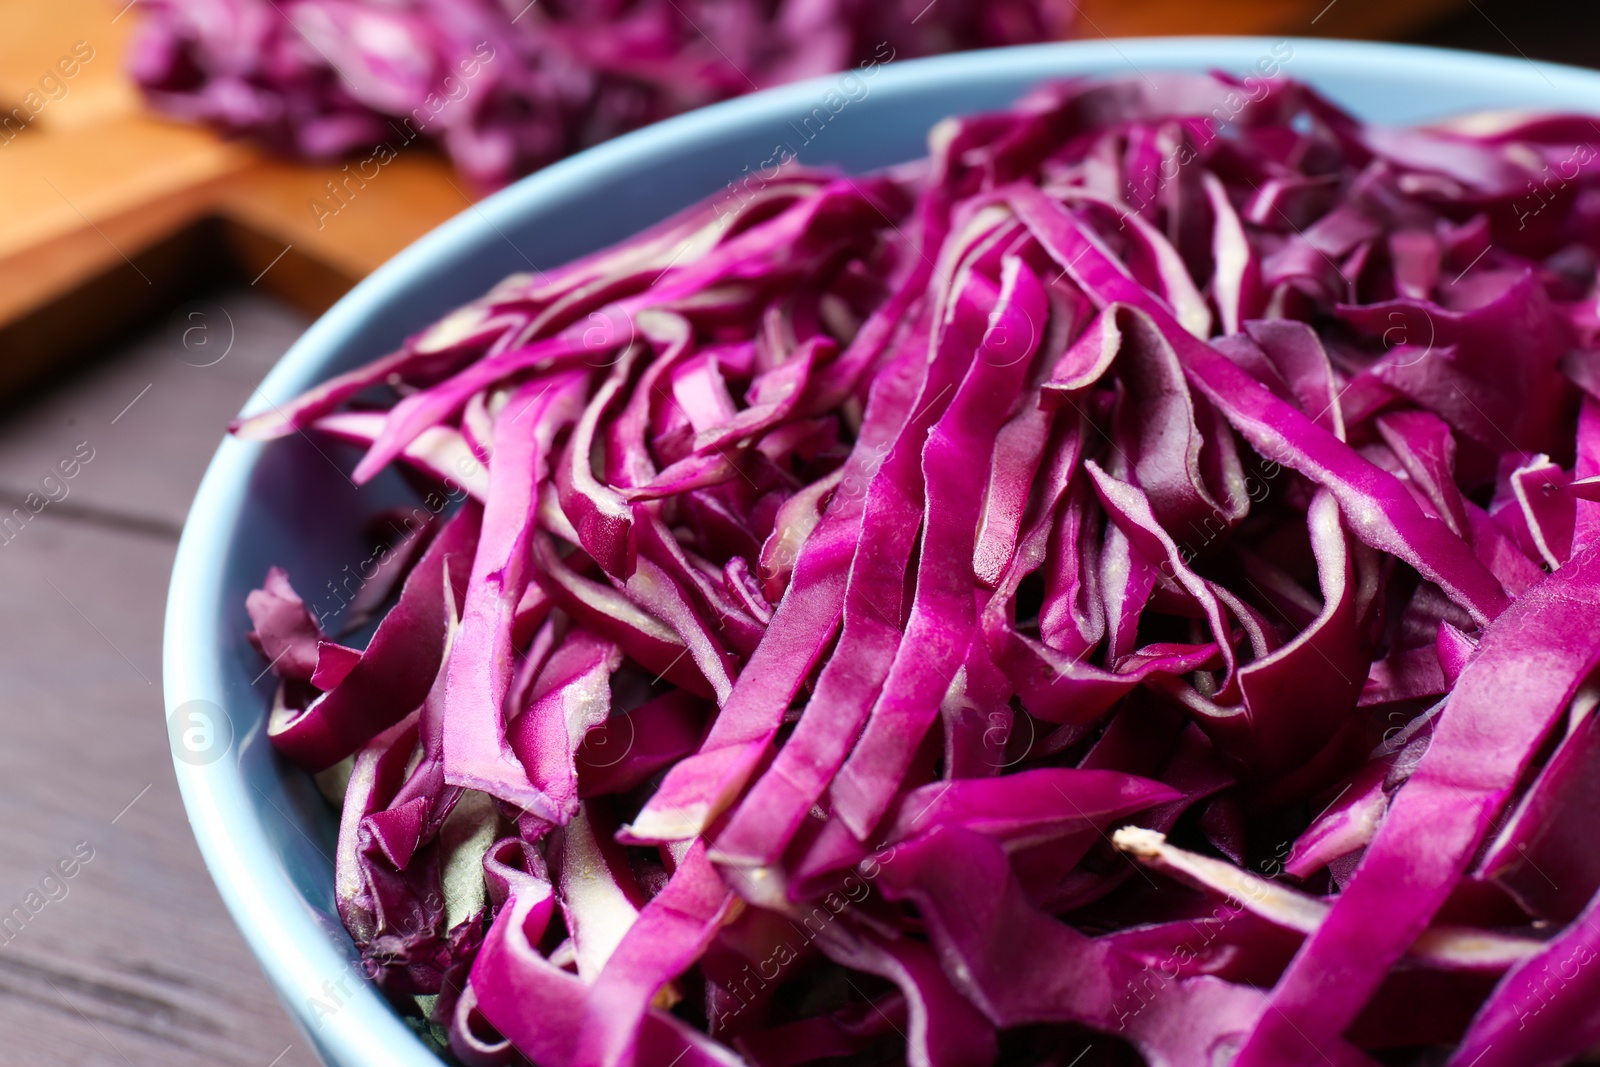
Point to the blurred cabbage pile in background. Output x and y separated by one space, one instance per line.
506 86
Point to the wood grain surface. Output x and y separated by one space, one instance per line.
137 964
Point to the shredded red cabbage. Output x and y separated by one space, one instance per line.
506 86
1127 582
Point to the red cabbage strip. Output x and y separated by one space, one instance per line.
377 772
305 409
1301 363
690 473
1423 444
1527 669
702 786
1072 616
1545 511
942 611
1348 823
1126 581
628 461
334 664
472 1040
1499 551
1018 449
1455 649
284 630
1236 285
742 585
420 806
1158 434
1319 673
1027 806
629 748
710 597
1055 686
476 751
652 249
1542 1012
701 393
599 514
892 511
597 606
773 398
417 412
571 695
671 933
977 716
1415 256
1230 944
1482 167
442 453
1533 858
699 788
1173 286
1040 806
1085 362
779 246
1471 386
849 1030
1586 528
1375 505
394 674
1130 509
1439 946
839 379
792 527
538 1005
943 1027
978 921
1019 965
600 895
654 590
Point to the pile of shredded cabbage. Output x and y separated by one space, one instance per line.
506 86
1126 587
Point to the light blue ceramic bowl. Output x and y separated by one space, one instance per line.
265 833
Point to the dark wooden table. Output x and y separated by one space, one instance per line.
134 963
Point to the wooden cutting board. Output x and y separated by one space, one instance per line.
110 215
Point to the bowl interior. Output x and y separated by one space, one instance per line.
267 835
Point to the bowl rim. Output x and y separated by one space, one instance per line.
288 942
